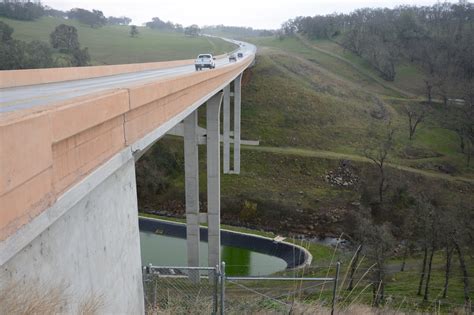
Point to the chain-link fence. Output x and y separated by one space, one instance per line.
180 290
274 295
201 290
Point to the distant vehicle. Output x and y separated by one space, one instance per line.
240 55
205 61
232 57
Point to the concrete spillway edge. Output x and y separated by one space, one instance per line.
294 255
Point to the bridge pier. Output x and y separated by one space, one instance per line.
191 169
237 114
226 127
213 178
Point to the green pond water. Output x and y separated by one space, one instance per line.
162 250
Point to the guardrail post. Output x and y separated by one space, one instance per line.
222 276
334 290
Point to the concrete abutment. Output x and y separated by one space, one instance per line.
92 251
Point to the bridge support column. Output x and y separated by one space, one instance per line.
213 178
226 129
237 113
191 169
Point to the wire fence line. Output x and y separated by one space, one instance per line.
208 290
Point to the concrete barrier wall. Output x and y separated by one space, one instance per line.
15 78
91 252
45 151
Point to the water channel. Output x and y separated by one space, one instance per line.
164 250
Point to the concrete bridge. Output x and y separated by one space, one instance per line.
69 139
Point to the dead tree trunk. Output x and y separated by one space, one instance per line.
429 91
428 276
422 276
353 268
405 254
447 269
462 264
381 185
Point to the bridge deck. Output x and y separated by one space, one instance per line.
25 97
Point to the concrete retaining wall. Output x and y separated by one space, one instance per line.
93 249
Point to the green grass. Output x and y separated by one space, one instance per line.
113 44
330 63
290 103
408 78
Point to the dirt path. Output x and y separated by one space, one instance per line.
353 157
357 68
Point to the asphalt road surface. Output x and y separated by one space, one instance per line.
17 98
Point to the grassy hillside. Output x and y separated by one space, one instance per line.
298 98
113 44
315 108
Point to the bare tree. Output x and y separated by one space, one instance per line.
447 266
378 247
133 31
379 157
433 231
354 264
414 118
462 264
421 218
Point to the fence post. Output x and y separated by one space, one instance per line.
216 284
334 290
222 287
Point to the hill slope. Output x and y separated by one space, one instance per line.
113 44
314 116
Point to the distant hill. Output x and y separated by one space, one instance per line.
112 44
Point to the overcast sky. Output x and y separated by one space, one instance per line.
254 13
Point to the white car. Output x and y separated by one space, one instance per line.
205 61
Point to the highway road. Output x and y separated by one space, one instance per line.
12 99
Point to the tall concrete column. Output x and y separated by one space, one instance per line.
227 129
213 178
191 169
237 113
